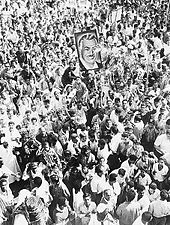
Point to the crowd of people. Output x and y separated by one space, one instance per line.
80 146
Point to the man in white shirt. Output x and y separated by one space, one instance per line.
142 198
114 186
153 192
129 166
105 210
98 184
162 143
159 209
160 171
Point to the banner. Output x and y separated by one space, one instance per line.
88 50
71 4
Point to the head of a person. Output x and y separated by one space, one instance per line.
130 196
37 181
28 114
141 190
3 184
87 46
100 113
107 194
11 124
43 131
152 188
87 199
91 136
34 120
33 107
124 104
164 195
99 170
144 156
129 185
161 162
101 143
54 179
146 217
125 137
109 103
62 202
112 178
46 146
121 172
74 137
85 150
108 123
5 144
168 133
132 159
79 105
83 137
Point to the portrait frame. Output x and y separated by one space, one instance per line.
88 35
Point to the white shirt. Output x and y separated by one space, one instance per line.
154 196
129 169
163 142
98 184
159 175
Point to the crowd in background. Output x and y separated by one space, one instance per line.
84 147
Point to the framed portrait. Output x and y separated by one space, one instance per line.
88 50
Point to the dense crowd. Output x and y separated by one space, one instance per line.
84 146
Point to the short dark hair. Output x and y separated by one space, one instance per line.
121 171
37 181
62 201
130 195
146 216
112 177
140 187
168 122
164 195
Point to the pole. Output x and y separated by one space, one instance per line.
167 14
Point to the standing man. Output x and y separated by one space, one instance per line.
86 210
106 209
159 209
128 211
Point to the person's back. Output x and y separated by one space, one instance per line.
128 211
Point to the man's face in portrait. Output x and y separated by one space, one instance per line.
89 51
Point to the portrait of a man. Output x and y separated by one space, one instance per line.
88 51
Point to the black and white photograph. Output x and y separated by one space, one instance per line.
84 112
